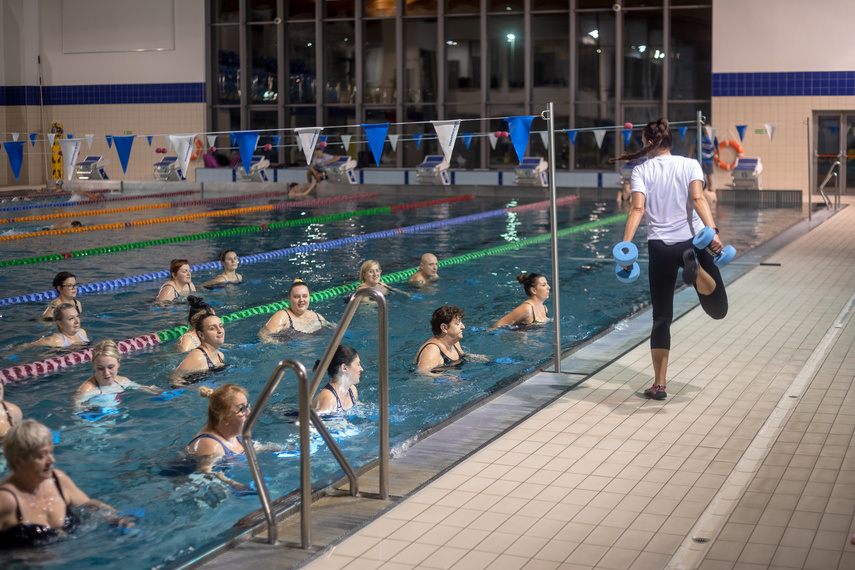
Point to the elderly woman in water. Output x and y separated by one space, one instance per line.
443 348
340 393
180 283
297 317
65 284
67 321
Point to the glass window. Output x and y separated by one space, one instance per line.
506 69
261 10
226 119
588 155
413 155
551 65
463 59
643 55
505 5
340 54
267 122
421 8
300 55
264 78
420 60
595 71
463 7
642 3
549 5
379 61
380 8
300 9
340 8
691 55
225 11
226 41
467 158
587 4
691 2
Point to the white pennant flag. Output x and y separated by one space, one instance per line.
446 133
183 148
710 132
345 140
770 129
15 136
89 139
70 149
493 139
50 137
599 135
544 136
393 140
212 140
307 139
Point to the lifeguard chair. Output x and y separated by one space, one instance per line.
92 168
532 172
433 170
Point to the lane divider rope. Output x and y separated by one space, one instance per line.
90 202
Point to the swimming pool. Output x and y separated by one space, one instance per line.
126 459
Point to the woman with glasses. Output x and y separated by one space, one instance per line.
65 284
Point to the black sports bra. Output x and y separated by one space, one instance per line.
447 361
30 534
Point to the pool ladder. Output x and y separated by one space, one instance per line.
831 174
307 390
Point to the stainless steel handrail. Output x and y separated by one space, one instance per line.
828 177
305 457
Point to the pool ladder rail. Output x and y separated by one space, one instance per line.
831 174
307 390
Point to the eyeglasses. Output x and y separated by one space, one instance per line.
243 409
72 286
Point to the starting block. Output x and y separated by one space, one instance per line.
168 170
746 174
92 168
433 170
256 170
340 171
532 172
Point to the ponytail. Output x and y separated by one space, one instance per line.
656 136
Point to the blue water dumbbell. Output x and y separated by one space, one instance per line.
625 254
704 239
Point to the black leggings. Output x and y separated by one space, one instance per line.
665 260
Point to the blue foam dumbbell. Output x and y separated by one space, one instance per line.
625 254
704 239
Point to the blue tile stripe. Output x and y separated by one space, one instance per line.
103 94
783 84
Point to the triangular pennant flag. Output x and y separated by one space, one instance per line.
15 136
246 143
149 137
376 135
15 150
393 140
682 131
212 140
599 135
770 129
169 145
741 130
418 138
276 139
323 138
33 139
70 136
544 136
308 138
446 133
70 149
232 139
345 140
123 147
183 148
89 140
572 135
109 141
519 129
51 137
467 139
627 136
493 139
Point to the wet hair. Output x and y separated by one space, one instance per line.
198 321
292 185
176 264
366 267
220 401
443 316
24 439
76 224
657 137
298 282
61 278
105 348
344 354
529 280
197 305
222 255
57 312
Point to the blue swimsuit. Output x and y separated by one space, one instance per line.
226 451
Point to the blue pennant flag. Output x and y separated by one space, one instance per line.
376 135
149 139
418 138
123 148
246 143
276 139
741 130
232 139
467 139
109 141
323 138
15 150
682 131
519 128
627 136
33 139
572 135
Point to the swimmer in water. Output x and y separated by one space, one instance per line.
229 260
427 272
369 274
206 358
340 393
297 191
297 317
65 284
67 321
106 379
181 283
531 311
443 348
10 414
189 340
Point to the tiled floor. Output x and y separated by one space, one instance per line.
752 453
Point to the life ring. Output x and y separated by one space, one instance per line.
197 149
729 165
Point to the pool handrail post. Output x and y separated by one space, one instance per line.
553 222
810 180
305 457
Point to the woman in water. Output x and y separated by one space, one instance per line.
532 311
297 317
443 348
664 187
189 340
229 260
36 499
369 275
10 414
206 358
65 284
181 283
340 393
67 321
106 379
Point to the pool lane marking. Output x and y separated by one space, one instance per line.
88 202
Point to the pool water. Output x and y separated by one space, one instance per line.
130 458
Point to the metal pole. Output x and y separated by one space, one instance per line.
810 159
553 222
700 126
383 373
305 463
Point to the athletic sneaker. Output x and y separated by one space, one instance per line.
690 266
656 392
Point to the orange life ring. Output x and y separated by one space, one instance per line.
197 149
729 165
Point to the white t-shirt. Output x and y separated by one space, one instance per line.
664 181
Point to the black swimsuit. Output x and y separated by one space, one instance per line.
446 360
30 534
8 415
338 407
211 365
